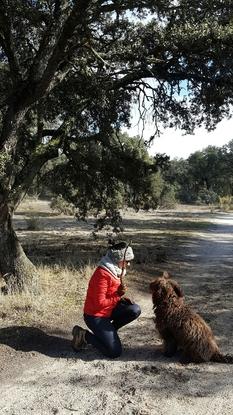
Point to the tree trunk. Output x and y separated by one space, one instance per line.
16 269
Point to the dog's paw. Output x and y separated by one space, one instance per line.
184 360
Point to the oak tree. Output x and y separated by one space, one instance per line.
70 71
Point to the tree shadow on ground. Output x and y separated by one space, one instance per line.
35 213
32 339
191 381
136 347
158 237
27 339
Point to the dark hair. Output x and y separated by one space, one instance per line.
118 245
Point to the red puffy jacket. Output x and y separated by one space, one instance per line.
102 294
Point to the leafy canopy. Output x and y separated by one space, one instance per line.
205 176
70 71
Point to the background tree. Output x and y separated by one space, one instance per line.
71 69
227 169
177 175
108 177
204 177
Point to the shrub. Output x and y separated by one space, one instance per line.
226 203
62 206
33 223
168 198
207 196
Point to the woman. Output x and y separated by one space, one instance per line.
105 309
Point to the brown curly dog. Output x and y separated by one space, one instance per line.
181 328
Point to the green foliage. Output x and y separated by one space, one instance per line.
154 189
70 72
204 177
111 220
69 75
107 178
168 197
4 168
208 197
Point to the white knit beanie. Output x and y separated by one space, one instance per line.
120 252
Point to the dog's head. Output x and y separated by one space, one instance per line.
164 288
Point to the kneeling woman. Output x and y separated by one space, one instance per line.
105 309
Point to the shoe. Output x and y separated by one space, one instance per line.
79 341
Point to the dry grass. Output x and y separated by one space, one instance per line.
62 292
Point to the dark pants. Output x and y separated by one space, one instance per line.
104 329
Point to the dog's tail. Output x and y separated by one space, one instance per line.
222 358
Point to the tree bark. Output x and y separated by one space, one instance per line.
16 269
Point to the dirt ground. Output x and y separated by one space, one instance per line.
41 375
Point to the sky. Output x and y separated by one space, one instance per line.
177 145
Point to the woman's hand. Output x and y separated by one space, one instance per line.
121 290
126 300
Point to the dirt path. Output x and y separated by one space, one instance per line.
53 380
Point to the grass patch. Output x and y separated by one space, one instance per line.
61 296
33 223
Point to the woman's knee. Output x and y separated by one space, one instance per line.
114 349
135 310
114 352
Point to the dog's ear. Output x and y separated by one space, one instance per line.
164 291
153 285
177 289
158 294
166 275
154 300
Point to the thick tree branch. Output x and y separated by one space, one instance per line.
41 154
156 73
25 177
75 22
6 42
45 66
